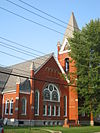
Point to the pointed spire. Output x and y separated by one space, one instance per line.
71 27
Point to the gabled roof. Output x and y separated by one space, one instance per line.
23 69
4 77
71 27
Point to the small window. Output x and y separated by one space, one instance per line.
58 110
65 105
45 110
53 110
36 102
49 110
54 96
46 95
24 102
11 107
66 64
50 87
7 107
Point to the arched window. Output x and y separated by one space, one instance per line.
51 93
11 107
55 96
36 102
51 98
46 94
24 107
7 107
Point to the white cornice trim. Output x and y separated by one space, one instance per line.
65 51
62 70
64 44
21 92
12 91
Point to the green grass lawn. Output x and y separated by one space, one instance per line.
86 129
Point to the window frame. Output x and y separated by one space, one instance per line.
50 110
67 66
36 114
11 102
25 111
65 106
7 102
58 113
45 114
51 92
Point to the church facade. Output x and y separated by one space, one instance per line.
36 92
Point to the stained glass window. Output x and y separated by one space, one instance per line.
54 96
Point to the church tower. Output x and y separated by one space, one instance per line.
68 65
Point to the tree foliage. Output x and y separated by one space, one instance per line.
85 51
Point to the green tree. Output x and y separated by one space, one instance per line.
85 51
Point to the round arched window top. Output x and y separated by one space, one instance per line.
51 93
51 87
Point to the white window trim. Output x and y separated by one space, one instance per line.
54 110
52 92
38 103
45 110
58 110
50 111
10 106
7 101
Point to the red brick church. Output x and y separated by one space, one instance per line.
36 92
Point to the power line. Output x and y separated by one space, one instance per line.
19 57
26 77
6 45
18 49
12 55
35 14
21 45
31 20
15 49
47 14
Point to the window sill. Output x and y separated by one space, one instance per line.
6 113
23 114
10 114
36 114
65 115
49 115
44 115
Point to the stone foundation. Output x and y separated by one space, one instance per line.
15 122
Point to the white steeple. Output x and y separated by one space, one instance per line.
71 27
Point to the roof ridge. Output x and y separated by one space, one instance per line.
30 60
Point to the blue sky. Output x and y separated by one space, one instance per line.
34 36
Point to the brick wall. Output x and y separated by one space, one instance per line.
51 72
73 98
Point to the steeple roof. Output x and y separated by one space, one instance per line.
71 27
